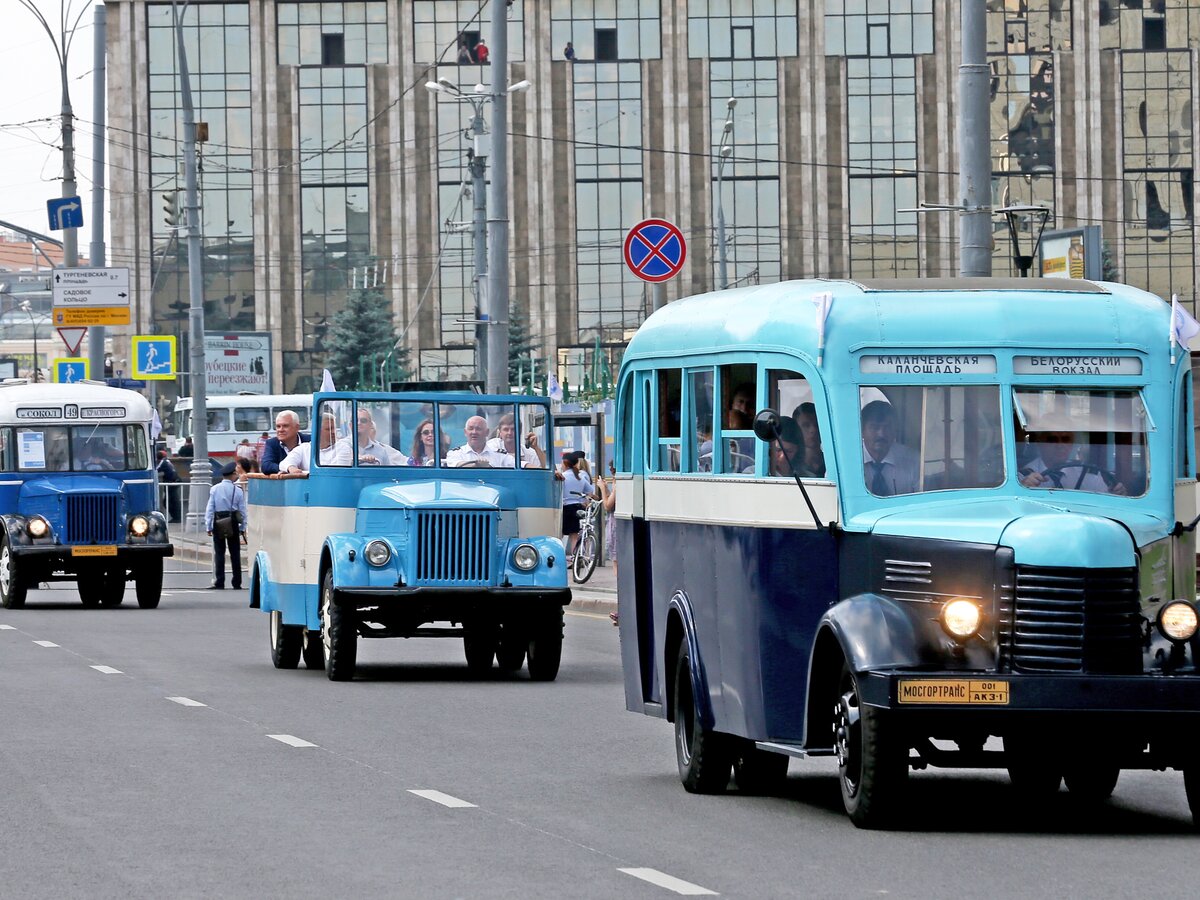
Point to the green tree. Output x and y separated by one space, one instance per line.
1110 271
362 335
523 361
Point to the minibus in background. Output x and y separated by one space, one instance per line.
78 498
959 532
233 418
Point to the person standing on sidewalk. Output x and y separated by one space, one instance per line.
225 522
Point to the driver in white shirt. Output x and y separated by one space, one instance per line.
501 451
474 451
372 452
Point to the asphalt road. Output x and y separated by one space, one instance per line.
116 785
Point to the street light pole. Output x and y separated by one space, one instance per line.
725 151
497 294
27 308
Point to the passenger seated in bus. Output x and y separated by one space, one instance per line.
332 453
287 438
741 450
704 444
372 452
473 452
424 451
814 457
90 457
789 448
1056 466
501 451
889 468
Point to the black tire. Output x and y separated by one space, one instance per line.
1092 781
112 588
12 587
758 771
1033 773
285 641
584 563
872 757
545 645
1191 786
704 757
510 653
90 586
312 650
479 646
339 634
147 583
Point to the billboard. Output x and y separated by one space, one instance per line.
1072 253
237 362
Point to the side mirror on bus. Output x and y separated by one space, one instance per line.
766 425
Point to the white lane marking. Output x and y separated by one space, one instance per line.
108 670
186 701
670 883
444 799
8 627
46 643
291 740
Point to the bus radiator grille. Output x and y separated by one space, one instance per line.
1072 620
93 519
453 547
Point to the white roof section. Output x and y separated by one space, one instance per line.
86 396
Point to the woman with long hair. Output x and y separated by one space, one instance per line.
424 449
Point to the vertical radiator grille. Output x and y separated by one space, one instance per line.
1072 620
454 548
93 519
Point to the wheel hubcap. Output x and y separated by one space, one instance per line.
846 736
5 571
326 637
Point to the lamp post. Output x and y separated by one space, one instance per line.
1024 262
37 365
723 153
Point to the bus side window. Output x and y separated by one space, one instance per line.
254 419
1185 464
739 393
670 396
700 417
624 447
218 420
791 395
7 463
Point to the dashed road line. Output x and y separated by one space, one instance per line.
444 799
670 882
291 740
107 670
46 643
186 701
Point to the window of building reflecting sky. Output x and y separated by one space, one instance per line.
741 29
606 30
879 27
1028 26
441 26
345 33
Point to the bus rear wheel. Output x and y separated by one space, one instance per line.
12 589
704 757
339 634
147 584
871 755
285 642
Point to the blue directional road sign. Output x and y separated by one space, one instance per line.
65 212
70 371
154 357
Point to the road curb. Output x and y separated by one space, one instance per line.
593 602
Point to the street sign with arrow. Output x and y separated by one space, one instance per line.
90 297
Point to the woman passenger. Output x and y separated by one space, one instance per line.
814 458
424 451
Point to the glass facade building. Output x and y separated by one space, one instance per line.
325 155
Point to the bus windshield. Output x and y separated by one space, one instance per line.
76 448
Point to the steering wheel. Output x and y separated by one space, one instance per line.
474 464
1058 474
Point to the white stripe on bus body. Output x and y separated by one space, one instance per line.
755 503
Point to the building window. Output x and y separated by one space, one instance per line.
862 28
606 31
1148 25
718 29
442 27
308 33
1028 26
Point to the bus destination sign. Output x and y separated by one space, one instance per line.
1077 365
928 364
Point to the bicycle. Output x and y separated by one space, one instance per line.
587 549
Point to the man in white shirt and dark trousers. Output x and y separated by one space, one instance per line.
225 522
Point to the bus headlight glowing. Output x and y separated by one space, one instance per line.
961 618
1178 621
378 553
525 557
138 526
37 527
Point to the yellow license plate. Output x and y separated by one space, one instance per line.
97 550
953 690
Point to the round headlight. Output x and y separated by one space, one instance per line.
378 553
525 557
138 526
961 618
37 527
1178 621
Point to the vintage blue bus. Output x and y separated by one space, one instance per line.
78 494
400 528
957 532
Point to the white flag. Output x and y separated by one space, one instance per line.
822 301
327 381
556 392
1183 326
155 426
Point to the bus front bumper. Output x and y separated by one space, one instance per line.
74 556
451 601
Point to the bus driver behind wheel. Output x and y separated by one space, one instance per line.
1057 466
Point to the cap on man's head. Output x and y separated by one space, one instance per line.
228 469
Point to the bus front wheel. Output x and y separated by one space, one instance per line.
285 642
704 757
545 645
147 584
12 590
112 588
339 634
1191 786
872 757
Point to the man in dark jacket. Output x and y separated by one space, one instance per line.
287 437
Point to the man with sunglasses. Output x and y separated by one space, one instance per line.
1057 466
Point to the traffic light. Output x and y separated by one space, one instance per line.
171 208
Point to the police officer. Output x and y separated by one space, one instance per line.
226 516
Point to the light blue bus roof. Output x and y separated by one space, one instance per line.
963 312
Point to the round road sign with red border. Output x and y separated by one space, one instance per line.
655 250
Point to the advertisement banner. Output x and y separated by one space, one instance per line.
1072 253
237 362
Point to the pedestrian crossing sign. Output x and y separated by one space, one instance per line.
154 357
70 370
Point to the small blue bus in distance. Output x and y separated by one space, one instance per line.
417 515
78 493
908 524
